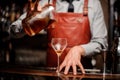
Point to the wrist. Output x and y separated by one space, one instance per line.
82 51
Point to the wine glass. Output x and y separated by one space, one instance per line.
58 44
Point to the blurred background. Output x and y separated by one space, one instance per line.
31 51
21 51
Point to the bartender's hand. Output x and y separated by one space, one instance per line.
73 59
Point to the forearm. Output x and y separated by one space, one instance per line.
92 48
95 46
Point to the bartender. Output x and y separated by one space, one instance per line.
82 23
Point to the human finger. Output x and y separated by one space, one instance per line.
66 69
82 68
61 66
39 7
74 69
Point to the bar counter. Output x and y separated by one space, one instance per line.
43 73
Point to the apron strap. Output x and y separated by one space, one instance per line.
85 8
54 3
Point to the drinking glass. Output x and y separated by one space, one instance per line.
58 44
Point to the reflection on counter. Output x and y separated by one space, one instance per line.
43 73
72 77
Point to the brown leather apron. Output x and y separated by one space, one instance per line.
73 26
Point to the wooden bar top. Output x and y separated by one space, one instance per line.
52 73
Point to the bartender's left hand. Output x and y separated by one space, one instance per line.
73 59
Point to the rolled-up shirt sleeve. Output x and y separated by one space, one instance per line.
98 32
16 29
17 25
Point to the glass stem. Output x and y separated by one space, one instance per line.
104 63
58 64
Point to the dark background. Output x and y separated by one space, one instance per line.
3 3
